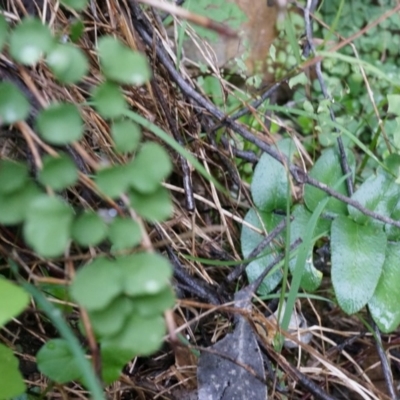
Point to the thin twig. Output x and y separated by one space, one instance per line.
387 372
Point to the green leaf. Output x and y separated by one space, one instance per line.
47 226
269 187
13 301
104 279
358 253
30 40
110 320
109 100
78 5
55 360
13 104
15 205
60 124
250 239
89 229
384 304
138 337
155 207
311 278
68 63
13 176
126 135
121 64
11 381
58 172
148 306
327 170
3 32
113 360
151 165
144 273
124 233
379 193
113 181
394 104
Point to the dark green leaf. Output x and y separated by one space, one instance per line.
358 253
110 320
11 381
113 181
250 240
121 64
384 304
311 278
148 306
379 193
394 104
113 360
30 40
13 176
60 124
154 207
89 229
55 360
124 233
144 273
47 226
58 172
104 279
13 104
126 135
13 300
151 165
138 337
109 100
327 170
269 187
68 63
15 205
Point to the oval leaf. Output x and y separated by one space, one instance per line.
154 207
105 281
358 253
15 205
13 300
60 124
327 170
250 240
11 381
13 104
55 360
149 168
384 304
269 187
13 175
113 181
58 172
89 229
144 273
124 233
109 100
47 226
68 63
121 64
30 40
126 135
110 320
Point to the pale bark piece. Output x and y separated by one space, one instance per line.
221 379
